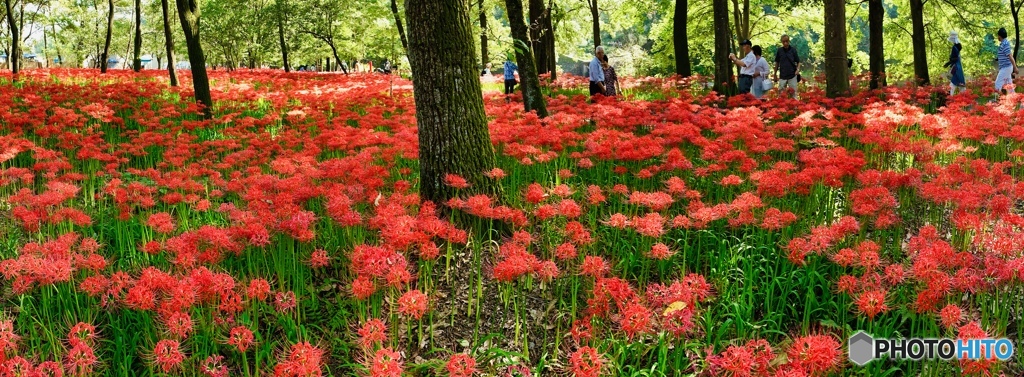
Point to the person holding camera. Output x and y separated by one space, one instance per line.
1007 65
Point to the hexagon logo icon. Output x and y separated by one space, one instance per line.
860 348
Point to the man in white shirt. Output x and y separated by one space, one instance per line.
746 79
596 72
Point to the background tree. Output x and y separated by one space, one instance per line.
533 100
918 40
106 44
837 78
724 83
542 36
453 135
876 17
188 12
282 11
137 42
1015 13
679 40
169 42
484 59
14 57
398 23
595 16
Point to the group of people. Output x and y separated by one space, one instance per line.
754 69
603 79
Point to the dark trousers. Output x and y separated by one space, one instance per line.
745 82
510 86
595 88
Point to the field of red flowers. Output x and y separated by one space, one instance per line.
667 233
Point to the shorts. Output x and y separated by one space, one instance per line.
1004 78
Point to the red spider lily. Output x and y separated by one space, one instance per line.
319 259
815 354
301 360
413 304
372 332
241 338
167 355
386 363
586 362
214 366
950 315
461 365
660 251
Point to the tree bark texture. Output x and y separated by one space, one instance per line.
679 39
533 99
724 83
918 41
137 43
188 12
452 126
837 77
106 44
169 43
876 49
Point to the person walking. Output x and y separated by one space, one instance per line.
957 82
760 69
596 72
510 69
746 79
487 70
611 80
1007 65
787 67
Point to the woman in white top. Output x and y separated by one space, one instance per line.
761 69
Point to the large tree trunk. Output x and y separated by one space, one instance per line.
106 44
837 78
452 127
137 44
282 6
876 15
724 83
169 43
398 22
679 40
188 12
483 37
595 16
15 56
918 41
533 99
541 36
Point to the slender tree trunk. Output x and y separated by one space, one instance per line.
106 44
137 52
679 39
15 56
918 40
188 12
876 50
282 7
60 58
595 15
533 99
453 135
724 83
169 43
837 78
334 51
541 36
552 55
1015 12
483 37
398 23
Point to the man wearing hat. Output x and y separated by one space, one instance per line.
1007 66
746 65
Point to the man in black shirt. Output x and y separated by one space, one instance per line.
787 66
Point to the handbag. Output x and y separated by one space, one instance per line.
767 84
